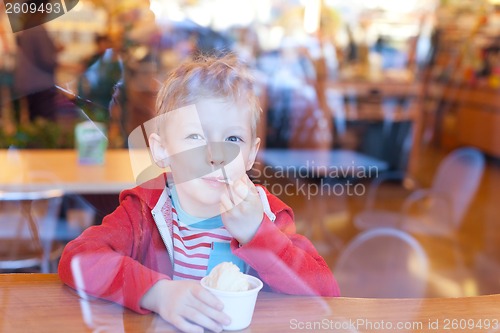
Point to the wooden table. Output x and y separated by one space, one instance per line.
41 303
320 175
46 168
40 169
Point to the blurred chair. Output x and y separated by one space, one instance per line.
28 223
438 210
79 215
378 210
382 263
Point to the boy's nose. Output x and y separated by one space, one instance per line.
215 153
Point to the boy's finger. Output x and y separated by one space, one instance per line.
245 180
200 320
211 306
185 326
209 317
241 189
208 298
225 203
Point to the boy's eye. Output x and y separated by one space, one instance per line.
234 138
194 137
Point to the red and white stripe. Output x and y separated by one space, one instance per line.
192 248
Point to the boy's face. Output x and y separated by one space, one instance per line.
205 144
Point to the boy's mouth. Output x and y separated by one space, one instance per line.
218 180
225 181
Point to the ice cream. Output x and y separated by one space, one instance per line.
226 276
237 291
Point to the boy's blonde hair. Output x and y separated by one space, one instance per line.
209 77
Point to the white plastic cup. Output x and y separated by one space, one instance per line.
238 305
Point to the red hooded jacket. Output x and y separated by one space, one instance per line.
127 254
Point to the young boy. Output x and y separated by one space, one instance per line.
165 235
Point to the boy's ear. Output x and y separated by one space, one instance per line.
159 152
253 154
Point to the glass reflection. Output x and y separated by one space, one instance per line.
402 89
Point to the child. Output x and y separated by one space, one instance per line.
165 235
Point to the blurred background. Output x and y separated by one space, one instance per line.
391 109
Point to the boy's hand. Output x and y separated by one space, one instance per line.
243 219
186 305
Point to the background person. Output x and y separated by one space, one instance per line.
34 74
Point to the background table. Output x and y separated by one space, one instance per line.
98 185
326 174
41 303
39 169
322 162
390 106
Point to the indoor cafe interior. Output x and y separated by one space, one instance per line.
380 127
